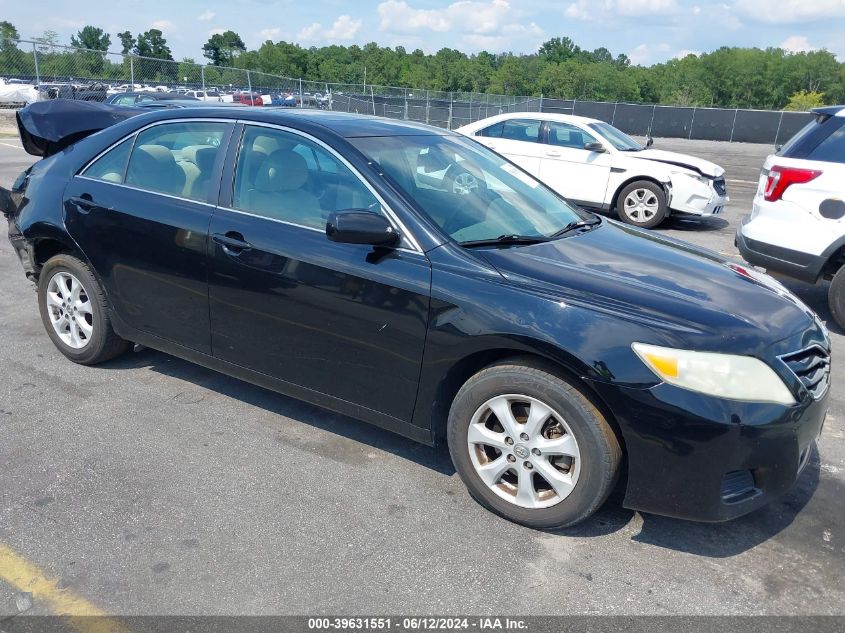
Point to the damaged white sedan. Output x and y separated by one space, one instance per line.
600 167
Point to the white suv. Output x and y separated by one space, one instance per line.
797 223
595 165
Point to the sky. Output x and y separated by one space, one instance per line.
648 31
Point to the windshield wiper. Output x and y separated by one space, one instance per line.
516 240
578 224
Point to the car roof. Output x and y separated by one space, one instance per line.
544 116
347 125
837 110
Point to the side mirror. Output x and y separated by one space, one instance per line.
595 147
649 142
357 226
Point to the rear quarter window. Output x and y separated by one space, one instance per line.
111 166
818 141
831 149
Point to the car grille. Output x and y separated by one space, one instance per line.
720 186
812 366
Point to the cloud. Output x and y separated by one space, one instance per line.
640 55
587 9
684 52
470 16
797 44
345 28
790 11
478 24
162 25
527 37
269 34
206 16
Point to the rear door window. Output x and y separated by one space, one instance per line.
527 130
176 158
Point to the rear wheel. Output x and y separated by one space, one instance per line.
74 312
531 447
836 297
642 203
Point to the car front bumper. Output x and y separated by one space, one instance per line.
701 458
694 197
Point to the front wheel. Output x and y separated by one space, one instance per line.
642 203
531 447
74 312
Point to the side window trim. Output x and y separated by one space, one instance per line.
231 125
229 185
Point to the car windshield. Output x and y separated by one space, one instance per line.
472 193
617 138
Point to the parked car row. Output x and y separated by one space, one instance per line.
436 289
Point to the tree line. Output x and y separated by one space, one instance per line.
770 78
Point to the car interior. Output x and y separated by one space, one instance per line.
280 177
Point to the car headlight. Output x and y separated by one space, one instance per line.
697 177
721 375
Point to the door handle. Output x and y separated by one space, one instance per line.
552 153
84 203
233 243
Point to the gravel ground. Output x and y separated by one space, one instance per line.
153 486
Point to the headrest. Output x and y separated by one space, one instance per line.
283 170
153 157
153 167
200 155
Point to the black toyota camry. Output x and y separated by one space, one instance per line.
412 278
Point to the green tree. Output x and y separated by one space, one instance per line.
223 48
92 38
127 42
803 101
559 49
8 36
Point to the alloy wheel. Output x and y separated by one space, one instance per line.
69 309
524 451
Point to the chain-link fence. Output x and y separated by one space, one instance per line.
31 71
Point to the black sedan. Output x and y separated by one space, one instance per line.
410 277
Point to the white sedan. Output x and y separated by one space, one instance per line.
595 165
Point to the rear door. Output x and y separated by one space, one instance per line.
338 319
140 213
518 139
576 173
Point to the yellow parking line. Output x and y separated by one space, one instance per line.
20 573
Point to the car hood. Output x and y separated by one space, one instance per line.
680 289
703 167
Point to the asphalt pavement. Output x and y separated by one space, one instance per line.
153 486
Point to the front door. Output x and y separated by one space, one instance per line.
140 213
576 173
339 319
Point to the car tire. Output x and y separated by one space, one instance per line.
836 297
642 203
540 485
75 313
